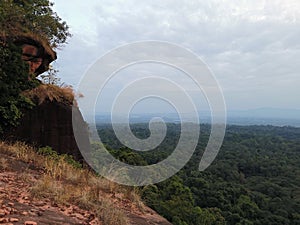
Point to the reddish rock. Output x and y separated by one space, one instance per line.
4 220
50 124
30 223
2 212
24 213
13 219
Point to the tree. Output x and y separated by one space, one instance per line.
36 16
51 76
19 17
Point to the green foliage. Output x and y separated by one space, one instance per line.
49 152
14 80
128 156
255 178
22 16
35 16
175 201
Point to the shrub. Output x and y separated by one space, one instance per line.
14 79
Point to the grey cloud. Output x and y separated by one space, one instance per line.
251 46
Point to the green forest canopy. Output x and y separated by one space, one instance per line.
255 178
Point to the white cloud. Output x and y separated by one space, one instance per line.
252 46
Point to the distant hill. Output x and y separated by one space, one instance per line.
260 116
267 113
265 116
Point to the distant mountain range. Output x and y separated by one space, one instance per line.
265 116
261 116
266 113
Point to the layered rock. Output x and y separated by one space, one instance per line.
49 123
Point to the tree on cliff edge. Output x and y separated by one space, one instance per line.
35 16
21 17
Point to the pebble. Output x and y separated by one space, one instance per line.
24 213
13 220
4 220
30 223
39 203
2 212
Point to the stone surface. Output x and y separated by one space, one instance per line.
50 124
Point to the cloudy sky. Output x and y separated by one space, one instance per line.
251 47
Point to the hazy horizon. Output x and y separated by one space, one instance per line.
251 47
236 117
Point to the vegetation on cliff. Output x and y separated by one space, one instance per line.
14 80
34 17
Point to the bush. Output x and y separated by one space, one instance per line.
14 79
49 152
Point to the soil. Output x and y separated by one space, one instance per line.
18 207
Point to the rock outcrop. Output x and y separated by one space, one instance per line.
49 123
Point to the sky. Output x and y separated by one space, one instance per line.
251 47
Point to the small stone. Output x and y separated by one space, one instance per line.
30 223
14 210
11 204
2 212
40 203
24 213
32 213
4 220
9 210
78 216
13 220
94 222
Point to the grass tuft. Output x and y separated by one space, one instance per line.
51 92
64 182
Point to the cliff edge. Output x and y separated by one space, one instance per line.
44 189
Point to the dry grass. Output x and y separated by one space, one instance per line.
111 216
134 196
63 183
3 164
25 176
51 92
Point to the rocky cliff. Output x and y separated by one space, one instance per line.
49 122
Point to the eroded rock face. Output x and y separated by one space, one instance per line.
50 124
